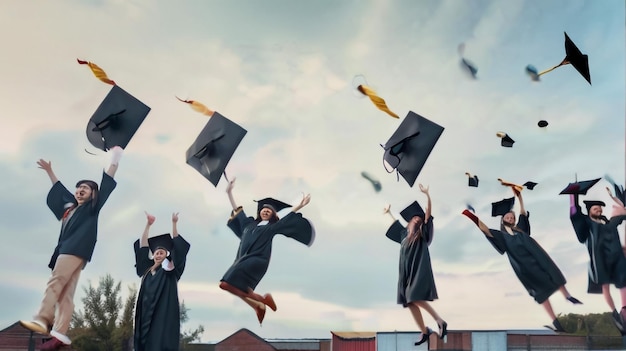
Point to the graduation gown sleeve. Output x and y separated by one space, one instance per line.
58 197
295 226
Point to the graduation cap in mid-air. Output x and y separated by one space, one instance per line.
472 180
163 241
116 120
529 185
411 211
214 147
410 145
467 65
579 188
574 57
532 72
375 183
273 204
542 123
506 141
502 207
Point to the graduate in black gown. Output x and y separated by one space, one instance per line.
416 284
160 262
255 247
532 265
607 264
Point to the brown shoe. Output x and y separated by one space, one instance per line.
260 314
36 326
53 344
269 301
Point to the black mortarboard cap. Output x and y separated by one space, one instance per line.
375 183
163 241
506 141
214 147
530 185
579 187
410 145
576 58
542 123
472 180
116 120
591 203
411 211
275 205
501 207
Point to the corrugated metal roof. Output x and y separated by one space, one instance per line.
354 335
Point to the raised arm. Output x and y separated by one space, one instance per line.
47 166
428 204
229 191
518 194
387 210
115 160
615 198
305 201
144 237
174 224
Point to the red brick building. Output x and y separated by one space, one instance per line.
353 341
17 338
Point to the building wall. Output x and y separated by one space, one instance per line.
394 341
546 342
339 344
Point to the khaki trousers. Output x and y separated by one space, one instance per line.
60 293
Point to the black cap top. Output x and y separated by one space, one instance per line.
506 141
591 203
163 241
273 204
214 147
470 67
472 180
411 211
579 187
502 207
410 145
116 120
530 185
576 58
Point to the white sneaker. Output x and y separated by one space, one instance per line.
62 338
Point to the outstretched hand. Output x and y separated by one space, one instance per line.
150 218
45 165
175 217
305 200
423 189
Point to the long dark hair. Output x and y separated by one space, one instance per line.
94 191
415 233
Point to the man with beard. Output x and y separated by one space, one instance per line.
78 214
607 264
532 265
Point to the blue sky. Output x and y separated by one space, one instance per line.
283 70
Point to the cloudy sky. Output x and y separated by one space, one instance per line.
283 70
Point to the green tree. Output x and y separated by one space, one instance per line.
592 324
188 336
99 327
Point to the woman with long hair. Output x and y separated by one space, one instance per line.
416 283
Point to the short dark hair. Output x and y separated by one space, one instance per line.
94 190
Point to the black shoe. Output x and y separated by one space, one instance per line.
558 327
425 336
574 300
617 320
443 329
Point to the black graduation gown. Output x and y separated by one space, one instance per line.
607 264
415 279
78 236
255 247
532 265
157 313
